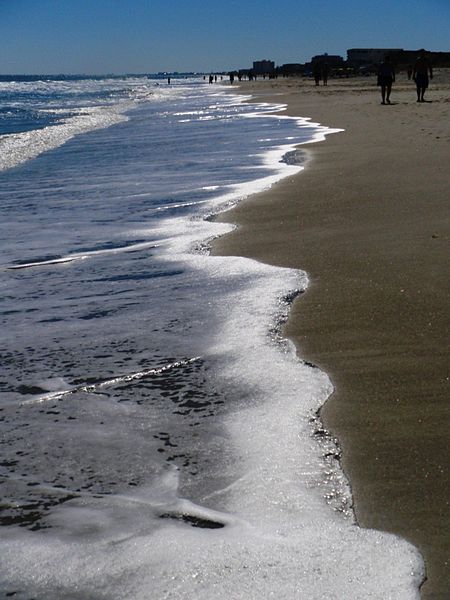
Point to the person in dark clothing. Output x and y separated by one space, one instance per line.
386 77
422 68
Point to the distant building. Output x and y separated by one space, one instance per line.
366 57
263 67
332 60
291 69
405 58
369 57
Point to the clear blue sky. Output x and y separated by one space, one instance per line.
141 36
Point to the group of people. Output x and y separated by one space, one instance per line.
320 71
422 73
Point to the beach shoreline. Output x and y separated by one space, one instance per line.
366 219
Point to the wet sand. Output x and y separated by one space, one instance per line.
368 219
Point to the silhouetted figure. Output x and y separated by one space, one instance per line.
386 77
211 79
231 78
325 72
168 80
422 68
317 73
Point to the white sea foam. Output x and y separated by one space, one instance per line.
283 494
177 562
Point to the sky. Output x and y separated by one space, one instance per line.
147 36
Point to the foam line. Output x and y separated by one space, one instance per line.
42 263
92 388
83 256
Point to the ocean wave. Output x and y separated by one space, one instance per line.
82 106
83 255
17 148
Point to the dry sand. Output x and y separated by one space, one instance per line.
368 220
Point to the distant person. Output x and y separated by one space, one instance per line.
422 68
168 80
211 78
386 77
231 78
325 72
317 73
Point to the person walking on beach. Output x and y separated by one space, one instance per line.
422 68
317 73
386 77
325 71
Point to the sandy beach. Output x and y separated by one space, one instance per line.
367 219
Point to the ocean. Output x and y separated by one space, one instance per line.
160 437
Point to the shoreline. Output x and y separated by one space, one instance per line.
366 219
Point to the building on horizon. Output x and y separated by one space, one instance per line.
334 61
405 58
263 67
366 57
369 57
291 69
